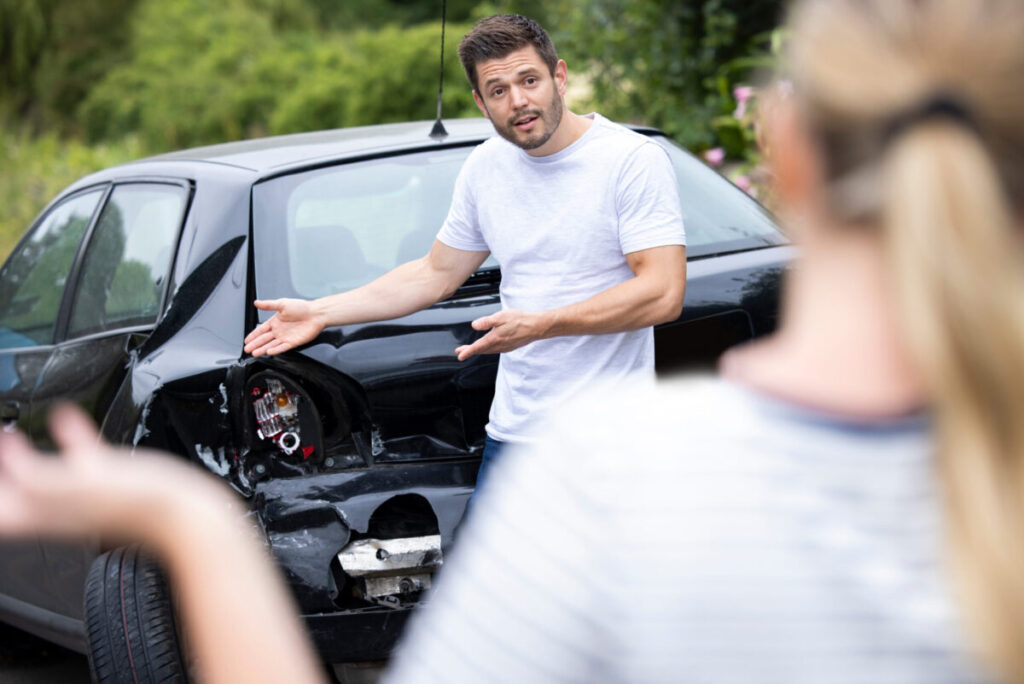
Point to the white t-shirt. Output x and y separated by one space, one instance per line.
560 226
700 532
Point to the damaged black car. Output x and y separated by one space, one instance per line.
356 454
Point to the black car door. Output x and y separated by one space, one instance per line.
119 292
32 288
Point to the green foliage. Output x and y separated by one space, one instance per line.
34 169
671 64
375 77
196 77
182 86
350 14
538 10
144 76
53 51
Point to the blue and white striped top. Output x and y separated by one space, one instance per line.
700 532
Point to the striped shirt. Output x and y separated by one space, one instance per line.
699 532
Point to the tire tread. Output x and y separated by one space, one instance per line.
130 625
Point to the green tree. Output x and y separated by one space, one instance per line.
668 63
181 86
209 72
53 51
376 77
377 13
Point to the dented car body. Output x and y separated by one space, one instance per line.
356 453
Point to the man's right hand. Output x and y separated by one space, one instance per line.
294 323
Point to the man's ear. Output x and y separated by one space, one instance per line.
561 76
480 104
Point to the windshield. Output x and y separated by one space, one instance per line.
333 229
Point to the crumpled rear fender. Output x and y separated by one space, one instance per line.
308 520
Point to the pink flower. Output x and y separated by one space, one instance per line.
743 183
715 156
742 95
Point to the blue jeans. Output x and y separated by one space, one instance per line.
492 452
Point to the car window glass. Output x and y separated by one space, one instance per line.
128 258
345 225
32 280
717 215
348 224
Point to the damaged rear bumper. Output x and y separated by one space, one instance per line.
317 525
355 636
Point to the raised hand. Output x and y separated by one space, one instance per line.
90 487
294 323
509 329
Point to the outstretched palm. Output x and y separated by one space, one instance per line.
294 323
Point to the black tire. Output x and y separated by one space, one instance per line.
130 623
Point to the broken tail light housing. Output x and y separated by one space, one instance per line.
287 429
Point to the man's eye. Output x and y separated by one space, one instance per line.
497 92
531 80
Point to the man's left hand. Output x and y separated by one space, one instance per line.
509 329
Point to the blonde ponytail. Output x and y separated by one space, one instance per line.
959 276
947 193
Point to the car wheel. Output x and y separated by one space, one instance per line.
130 623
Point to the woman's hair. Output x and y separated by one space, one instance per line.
918 109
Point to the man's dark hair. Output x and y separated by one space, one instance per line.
497 36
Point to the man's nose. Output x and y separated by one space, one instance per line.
519 99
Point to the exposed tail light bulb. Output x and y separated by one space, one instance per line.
287 426
277 413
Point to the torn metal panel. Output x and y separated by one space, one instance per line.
309 520
391 557
392 570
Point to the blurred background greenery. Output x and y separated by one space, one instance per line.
84 85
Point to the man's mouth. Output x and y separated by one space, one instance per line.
525 123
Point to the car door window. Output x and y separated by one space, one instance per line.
128 258
32 280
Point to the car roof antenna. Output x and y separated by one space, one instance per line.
438 132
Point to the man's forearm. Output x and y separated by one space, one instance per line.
399 292
654 295
629 305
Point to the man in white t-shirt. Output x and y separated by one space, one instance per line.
581 214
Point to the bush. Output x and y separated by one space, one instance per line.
210 72
669 64
33 170
190 60
376 77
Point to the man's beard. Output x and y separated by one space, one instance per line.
550 118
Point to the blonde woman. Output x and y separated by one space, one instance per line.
845 503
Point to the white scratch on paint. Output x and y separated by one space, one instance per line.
224 397
218 464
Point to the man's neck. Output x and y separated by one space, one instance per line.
570 129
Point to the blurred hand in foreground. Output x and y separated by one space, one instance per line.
189 518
